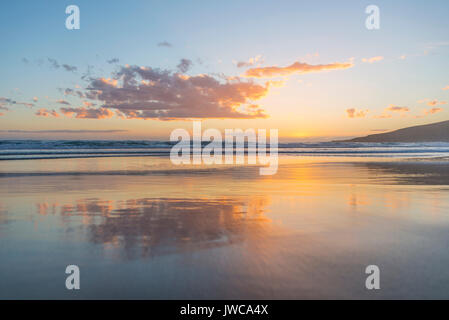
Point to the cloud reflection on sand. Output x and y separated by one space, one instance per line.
147 227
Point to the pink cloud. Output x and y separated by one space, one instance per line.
353 113
394 108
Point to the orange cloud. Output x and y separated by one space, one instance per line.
353 113
373 59
445 88
295 68
433 110
46 113
273 83
435 102
109 81
88 104
85 113
428 112
392 108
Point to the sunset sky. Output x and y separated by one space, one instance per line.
139 69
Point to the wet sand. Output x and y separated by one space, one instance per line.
139 228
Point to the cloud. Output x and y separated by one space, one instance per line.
394 108
353 113
88 113
88 73
435 102
60 101
184 65
69 91
387 113
429 112
136 92
88 104
274 83
109 81
53 63
6 100
62 131
375 59
433 110
250 62
113 60
164 44
432 103
383 116
46 113
69 68
4 109
295 68
10 102
26 104
445 88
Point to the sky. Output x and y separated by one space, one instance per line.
140 69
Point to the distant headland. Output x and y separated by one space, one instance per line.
434 132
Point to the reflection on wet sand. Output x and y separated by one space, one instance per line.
408 172
3 213
147 227
307 232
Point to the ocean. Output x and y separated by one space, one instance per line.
50 149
